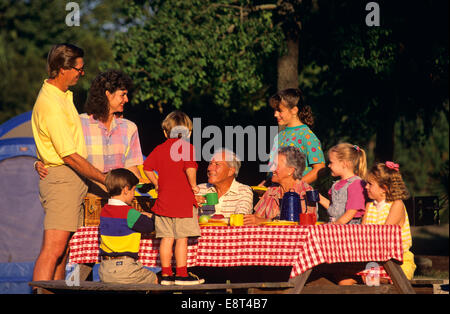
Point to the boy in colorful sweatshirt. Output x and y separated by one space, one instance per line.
120 232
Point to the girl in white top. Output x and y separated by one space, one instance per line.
386 188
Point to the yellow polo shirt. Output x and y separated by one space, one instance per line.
56 126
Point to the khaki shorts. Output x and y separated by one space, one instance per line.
62 195
125 271
177 228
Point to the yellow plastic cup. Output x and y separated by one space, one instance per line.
237 220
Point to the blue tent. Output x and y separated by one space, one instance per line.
21 226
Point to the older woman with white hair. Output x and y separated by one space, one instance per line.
289 166
234 197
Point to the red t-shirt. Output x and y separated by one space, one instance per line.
170 160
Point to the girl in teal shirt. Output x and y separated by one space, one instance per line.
296 117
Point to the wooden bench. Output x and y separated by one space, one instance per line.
420 286
60 286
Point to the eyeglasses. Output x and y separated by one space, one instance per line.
80 70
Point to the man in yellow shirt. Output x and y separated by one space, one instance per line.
61 147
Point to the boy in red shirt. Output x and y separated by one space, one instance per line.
175 209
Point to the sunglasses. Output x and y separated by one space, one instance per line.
79 70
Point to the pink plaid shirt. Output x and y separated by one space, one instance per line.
117 148
269 204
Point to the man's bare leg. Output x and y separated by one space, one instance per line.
52 253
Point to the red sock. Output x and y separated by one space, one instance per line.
182 271
166 271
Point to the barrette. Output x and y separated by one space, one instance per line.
392 165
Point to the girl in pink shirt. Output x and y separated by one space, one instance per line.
347 195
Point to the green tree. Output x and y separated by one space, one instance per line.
28 29
363 80
199 52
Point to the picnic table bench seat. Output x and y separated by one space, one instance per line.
421 286
60 286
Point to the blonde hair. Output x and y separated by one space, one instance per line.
391 180
353 154
177 124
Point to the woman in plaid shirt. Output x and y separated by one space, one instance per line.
290 164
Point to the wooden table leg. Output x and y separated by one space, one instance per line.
299 282
85 271
398 277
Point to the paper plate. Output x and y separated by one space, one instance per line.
259 188
280 223
213 224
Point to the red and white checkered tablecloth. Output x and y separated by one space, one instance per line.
301 247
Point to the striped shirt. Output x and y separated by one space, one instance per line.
120 229
377 214
269 205
237 200
118 147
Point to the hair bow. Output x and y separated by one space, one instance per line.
392 165
356 147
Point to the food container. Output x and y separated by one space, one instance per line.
93 207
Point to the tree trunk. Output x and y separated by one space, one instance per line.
288 66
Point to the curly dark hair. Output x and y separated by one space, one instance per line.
293 97
97 103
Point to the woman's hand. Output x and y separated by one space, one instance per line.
253 220
40 169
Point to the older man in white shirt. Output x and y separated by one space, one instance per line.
234 197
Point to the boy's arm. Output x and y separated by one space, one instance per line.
152 177
191 174
140 222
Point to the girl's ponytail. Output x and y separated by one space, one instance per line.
305 115
293 97
361 162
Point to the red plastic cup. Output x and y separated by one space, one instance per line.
307 219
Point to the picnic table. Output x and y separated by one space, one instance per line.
300 247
